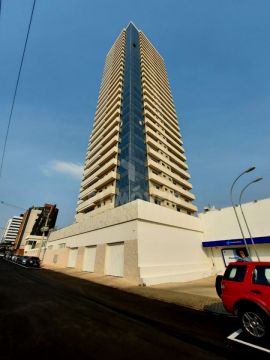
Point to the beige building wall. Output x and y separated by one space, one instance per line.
29 227
160 245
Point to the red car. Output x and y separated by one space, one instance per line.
245 292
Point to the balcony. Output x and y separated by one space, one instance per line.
174 150
105 168
103 140
148 112
157 126
99 184
107 129
178 170
163 110
101 160
166 182
173 158
101 150
165 195
160 168
110 191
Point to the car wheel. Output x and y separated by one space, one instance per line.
254 322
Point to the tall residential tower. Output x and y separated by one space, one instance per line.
135 150
134 214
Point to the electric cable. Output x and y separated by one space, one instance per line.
11 205
16 88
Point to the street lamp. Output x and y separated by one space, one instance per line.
233 205
240 203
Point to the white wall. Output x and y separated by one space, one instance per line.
170 246
222 224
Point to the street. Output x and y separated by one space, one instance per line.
45 315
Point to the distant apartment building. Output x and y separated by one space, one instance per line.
12 229
36 223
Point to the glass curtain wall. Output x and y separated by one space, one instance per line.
132 171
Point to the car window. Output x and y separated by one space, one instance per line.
261 275
235 273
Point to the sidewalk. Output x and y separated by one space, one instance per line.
198 294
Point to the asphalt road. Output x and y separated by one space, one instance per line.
46 315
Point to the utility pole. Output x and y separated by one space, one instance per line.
44 229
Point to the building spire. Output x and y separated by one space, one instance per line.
132 24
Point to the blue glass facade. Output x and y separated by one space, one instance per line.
132 170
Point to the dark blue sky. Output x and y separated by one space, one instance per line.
217 55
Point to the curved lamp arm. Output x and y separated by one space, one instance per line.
233 205
242 211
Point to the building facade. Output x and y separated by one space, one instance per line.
135 150
135 216
12 229
35 225
223 238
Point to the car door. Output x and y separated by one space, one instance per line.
233 285
260 286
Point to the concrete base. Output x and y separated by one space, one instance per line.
160 245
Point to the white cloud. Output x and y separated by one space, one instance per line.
63 167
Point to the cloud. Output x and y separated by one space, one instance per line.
64 167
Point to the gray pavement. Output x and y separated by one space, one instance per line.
198 294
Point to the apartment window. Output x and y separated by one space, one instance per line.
158 202
157 187
178 208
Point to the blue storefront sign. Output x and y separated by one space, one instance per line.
230 242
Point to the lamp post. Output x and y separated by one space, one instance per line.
233 205
242 211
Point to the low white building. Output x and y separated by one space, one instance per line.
223 238
150 244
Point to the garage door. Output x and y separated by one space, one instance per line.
115 259
72 257
89 258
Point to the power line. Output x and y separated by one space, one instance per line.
16 88
11 205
